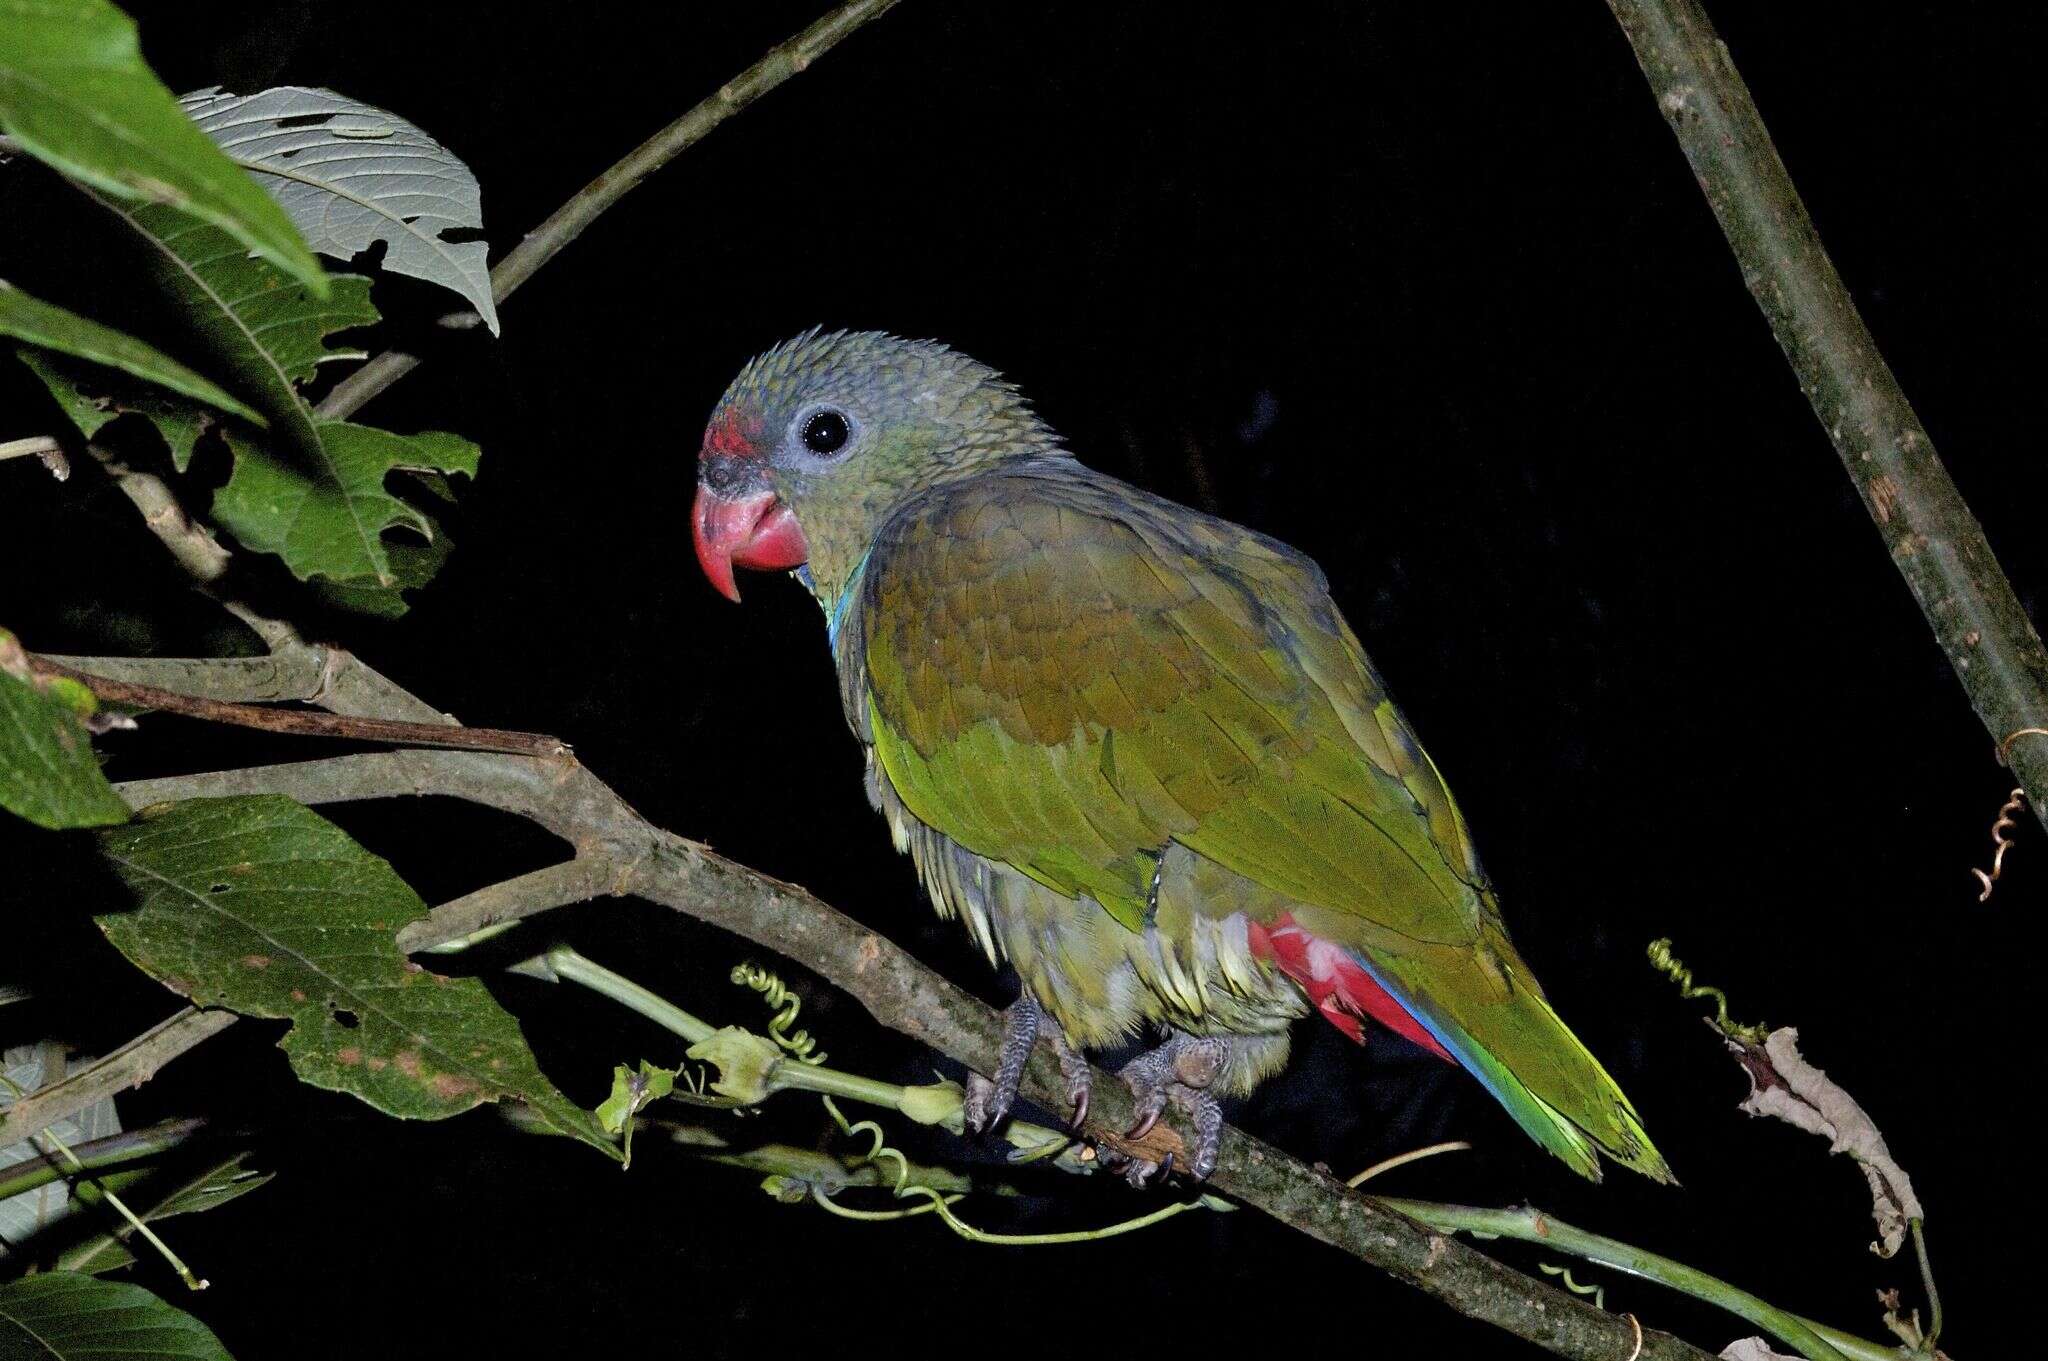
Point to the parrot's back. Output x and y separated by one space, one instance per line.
1139 752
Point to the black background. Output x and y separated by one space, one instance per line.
1427 291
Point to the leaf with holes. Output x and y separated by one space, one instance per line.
48 773
63 1316
75 92
261 905
334 528
312 491
52 328
263 331
351 175
91 398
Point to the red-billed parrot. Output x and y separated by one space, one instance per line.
1134 748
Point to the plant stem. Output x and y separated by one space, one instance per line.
133 1064
299 722
544 242
1936 543
1533 1226
99 1155
563 962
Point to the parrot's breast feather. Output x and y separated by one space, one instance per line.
1065 674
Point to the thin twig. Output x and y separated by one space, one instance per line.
189 542
544 242
133 1064
41 447
300 723
503 903
111 1153
1936 543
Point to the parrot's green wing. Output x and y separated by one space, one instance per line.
1066 675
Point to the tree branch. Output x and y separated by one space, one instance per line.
133 1064
544 242
1937 544
622 853
298 722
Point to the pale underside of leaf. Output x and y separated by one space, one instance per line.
351 175
260 905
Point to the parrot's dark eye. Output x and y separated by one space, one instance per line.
826 433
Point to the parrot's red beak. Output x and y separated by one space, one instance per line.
752 529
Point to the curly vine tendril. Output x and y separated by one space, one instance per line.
1669 964
775 993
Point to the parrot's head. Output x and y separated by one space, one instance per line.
822 438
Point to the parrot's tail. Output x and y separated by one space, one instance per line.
1525 1055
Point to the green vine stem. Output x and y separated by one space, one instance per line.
113 1153
776 1074
1812 1340
75 1166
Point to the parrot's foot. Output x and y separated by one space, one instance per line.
987 1102
1179 1071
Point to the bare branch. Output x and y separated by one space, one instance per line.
297 722
133 1064
1936 542
41 447
544 242
189 541
511 900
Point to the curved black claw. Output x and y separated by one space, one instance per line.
1146 1121
1078 1121
987 1102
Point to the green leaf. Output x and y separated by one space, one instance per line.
48 773
412 566
266 331
154 1194
62 1316
93 397
53 328
631 1092
333 526
263 906
313 492
75 92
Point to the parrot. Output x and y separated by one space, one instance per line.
1133 748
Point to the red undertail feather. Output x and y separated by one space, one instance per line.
1338 985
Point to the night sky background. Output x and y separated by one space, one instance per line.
1428 292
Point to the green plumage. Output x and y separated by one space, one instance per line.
1123 738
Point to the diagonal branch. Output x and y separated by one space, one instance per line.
1936 543
544 242
133 1064
300 723
619 852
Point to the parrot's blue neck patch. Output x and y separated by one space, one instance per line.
835 613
